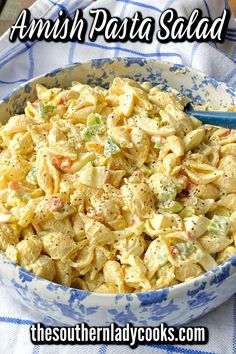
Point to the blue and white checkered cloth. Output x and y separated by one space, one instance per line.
20 62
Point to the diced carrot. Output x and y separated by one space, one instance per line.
14 185
225 135
190 186
65 164
174 250
107 177
132 222
118 167
56 161
55 203
190 234
98 217
35 103
62 100
158 139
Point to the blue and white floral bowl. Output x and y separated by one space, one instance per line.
175 305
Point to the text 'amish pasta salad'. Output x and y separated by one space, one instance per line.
117 190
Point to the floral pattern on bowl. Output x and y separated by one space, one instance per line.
175 305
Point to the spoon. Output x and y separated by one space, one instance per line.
223 119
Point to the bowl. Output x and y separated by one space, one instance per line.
175 305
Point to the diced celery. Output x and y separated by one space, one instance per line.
94 119
66 207
49 108
110 147
171 206
184 247
27 196
186 212
168 193
32 176
44 109
158 145
219 226
91 131
95 125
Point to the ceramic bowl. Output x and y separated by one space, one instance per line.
175 305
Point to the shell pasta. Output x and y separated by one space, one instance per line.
116 190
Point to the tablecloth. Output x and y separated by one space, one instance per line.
20 62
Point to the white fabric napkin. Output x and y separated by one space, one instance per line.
20 62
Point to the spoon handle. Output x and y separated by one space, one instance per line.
223 119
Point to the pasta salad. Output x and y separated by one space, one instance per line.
116 190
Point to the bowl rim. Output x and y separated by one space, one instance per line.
134 60
171 290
